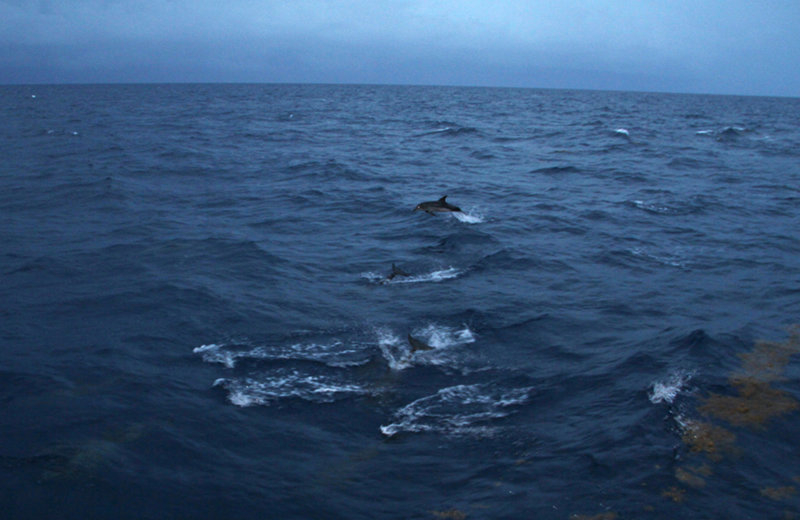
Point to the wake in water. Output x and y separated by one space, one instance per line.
285 383
323 371
458 410
438 275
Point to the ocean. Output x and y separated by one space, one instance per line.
197 317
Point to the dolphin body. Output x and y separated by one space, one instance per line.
417 344
396 271
436 206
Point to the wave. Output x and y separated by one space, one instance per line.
726 134
694 205
449 129
458 410
331 169
672 260
555 170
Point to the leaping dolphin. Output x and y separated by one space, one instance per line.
436 206
417 344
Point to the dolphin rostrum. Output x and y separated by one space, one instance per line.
396 271
436 206
417 344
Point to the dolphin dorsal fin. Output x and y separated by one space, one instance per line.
418 344
442 199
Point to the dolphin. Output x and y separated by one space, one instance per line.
436 206
417 344
396 271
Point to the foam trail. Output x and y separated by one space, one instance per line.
250 391
458 410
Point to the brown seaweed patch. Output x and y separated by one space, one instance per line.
704 437
779 493
674 493
450 514
690 478
609 515
768 359
756 403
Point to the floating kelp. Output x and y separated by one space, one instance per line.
779 493
704 437
756 403
690 478
609 515
768 359
674 493
85 459
753 402
450 514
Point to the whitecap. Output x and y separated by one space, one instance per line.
458 410
622 131
668 390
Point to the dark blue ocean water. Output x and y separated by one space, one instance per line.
196 320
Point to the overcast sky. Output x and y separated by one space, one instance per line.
708 46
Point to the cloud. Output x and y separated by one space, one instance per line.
671 45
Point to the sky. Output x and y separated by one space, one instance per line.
749 47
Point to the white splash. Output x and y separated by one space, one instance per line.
471 216
622 131
399 356
668 390
394 350
458 410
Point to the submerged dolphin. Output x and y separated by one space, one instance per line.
396 271
417 344
436 206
